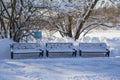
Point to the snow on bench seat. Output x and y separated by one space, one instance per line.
26 51
25 48
93 48
60 48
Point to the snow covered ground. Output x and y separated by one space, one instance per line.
61 69
76 68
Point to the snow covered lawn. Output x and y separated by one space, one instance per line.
60 69
77 68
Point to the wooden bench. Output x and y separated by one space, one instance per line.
25 48
93 49
60 48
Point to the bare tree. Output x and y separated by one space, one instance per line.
70 17
73 23
14 18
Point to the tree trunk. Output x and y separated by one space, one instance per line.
82 21
69 26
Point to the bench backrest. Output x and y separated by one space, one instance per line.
25 46
59 46
92 46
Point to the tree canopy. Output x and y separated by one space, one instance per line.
72 18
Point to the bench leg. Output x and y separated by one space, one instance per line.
107 54
11 55
41 54
80 53
74 53
47 53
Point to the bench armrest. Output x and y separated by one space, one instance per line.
11 47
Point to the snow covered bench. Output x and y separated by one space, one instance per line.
60 48
25 48
93 49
